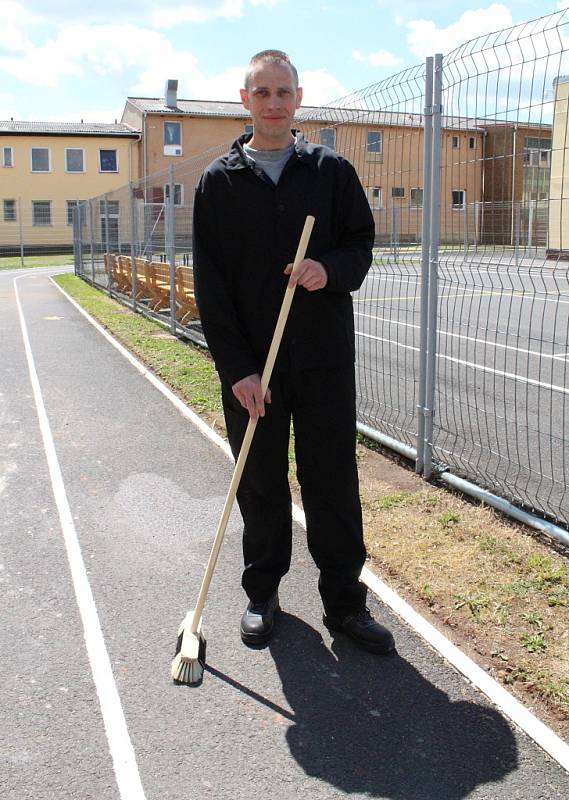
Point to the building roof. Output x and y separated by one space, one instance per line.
329 114
67 128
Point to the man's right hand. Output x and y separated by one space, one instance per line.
248 392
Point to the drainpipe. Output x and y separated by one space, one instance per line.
144 146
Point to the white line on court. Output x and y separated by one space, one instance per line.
504 701
472 364
485 342
120 745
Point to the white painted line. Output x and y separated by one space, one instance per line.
512 375
507 703
504 701
120 745
470 339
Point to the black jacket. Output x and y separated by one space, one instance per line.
246 231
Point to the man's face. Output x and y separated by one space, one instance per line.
272 98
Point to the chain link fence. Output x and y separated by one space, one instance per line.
462 322
36 227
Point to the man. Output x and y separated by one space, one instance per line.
250 207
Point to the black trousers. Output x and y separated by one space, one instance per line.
321 404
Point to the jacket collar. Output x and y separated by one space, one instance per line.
236 158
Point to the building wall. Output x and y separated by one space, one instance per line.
20 184
558 244
398 166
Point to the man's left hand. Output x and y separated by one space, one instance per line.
311 275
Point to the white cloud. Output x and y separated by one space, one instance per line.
17 13
424 37
197 12
106 49
380 59
320 87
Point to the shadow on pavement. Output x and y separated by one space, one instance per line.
374 725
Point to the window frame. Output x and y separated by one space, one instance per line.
37 224
379 151
6 218
75 171
373 204
109 150
331 131
457 140
167 192
7 148
40 171
168 123
413 204
458 206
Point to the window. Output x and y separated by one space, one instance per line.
178 193
397 191
7 157
416 198
9 211
108 161
375 141
41 212
74 159
41 159
458 198
172 133
328 137
455 142
71 204
248 128
374 196
112 205
472 142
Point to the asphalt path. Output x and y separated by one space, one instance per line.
310 715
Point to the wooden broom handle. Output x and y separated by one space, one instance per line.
246 444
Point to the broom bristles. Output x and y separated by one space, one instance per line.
189 659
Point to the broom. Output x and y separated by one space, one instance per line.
189 660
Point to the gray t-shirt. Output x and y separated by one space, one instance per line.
272 162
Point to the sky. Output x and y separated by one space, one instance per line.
70 62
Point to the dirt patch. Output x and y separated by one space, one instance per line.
497 590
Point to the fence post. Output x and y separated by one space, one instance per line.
107 248
531 210
517 219
465 224
74 218
91 241
21 227
133 243
433 268
425 249
171 246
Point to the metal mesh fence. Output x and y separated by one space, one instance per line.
502 322
38 227
462 321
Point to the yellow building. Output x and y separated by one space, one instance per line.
45 168
385 147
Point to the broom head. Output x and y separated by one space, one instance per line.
189 660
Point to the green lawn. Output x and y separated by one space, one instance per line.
15 262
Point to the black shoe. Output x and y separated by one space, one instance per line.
364 630
258 620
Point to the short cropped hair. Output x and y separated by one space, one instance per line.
270 57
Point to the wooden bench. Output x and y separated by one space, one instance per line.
110 262
185 297
160 277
